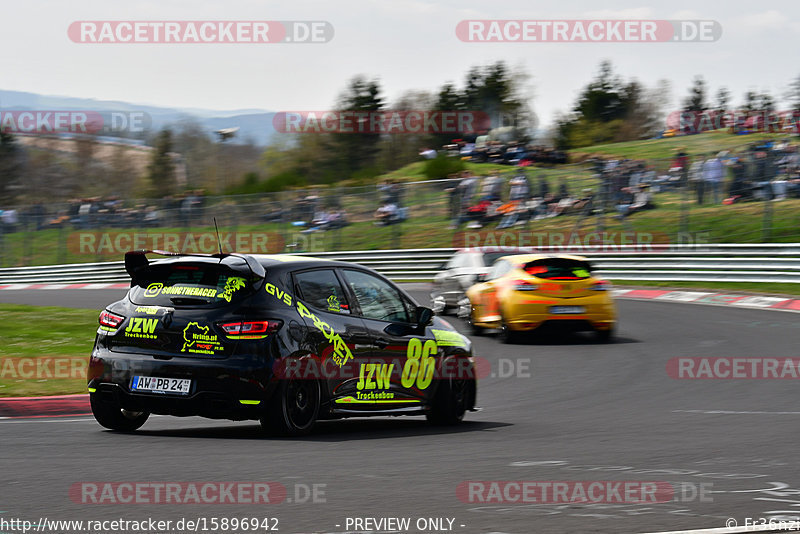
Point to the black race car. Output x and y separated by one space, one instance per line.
281 339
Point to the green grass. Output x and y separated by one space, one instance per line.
414 172
667 148
42 333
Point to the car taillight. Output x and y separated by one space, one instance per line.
602 285
248 328
110 320
524 285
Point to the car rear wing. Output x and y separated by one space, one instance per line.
137 263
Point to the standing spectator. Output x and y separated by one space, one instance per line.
544 188
37 215
491 188
739 187
10 220
760 176
682 163
696 177
516 209
713 173
464 193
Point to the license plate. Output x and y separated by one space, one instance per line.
156 384
566 310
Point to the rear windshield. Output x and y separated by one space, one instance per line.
188 285
558 269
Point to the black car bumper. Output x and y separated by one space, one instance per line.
236 389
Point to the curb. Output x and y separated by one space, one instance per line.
710 298
55 406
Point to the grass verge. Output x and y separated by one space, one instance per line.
45 349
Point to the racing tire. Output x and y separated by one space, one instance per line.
451 400
293 408
111 416
474 330
508 336
604 336
465 313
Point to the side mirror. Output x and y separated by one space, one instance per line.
480 278
424 317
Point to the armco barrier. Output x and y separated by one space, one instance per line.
709 263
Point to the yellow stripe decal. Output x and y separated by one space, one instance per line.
353 400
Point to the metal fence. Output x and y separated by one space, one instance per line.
98 230
712 263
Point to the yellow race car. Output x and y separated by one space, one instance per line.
523 292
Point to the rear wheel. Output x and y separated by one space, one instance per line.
108 413
293 408
507 335
451 400
604 336
474 329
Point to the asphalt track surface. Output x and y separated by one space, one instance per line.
562 409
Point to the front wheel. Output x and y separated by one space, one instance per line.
451 400
293 408
109 414
439 304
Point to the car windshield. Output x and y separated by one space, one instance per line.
490 257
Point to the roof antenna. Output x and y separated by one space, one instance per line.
219 242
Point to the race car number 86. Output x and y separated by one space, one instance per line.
420 365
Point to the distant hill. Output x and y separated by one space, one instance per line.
254 124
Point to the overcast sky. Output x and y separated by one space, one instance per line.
407 44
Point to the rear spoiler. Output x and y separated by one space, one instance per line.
556 260
136 261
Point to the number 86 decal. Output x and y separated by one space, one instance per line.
420 365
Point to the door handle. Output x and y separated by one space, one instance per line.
361 339
381 343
